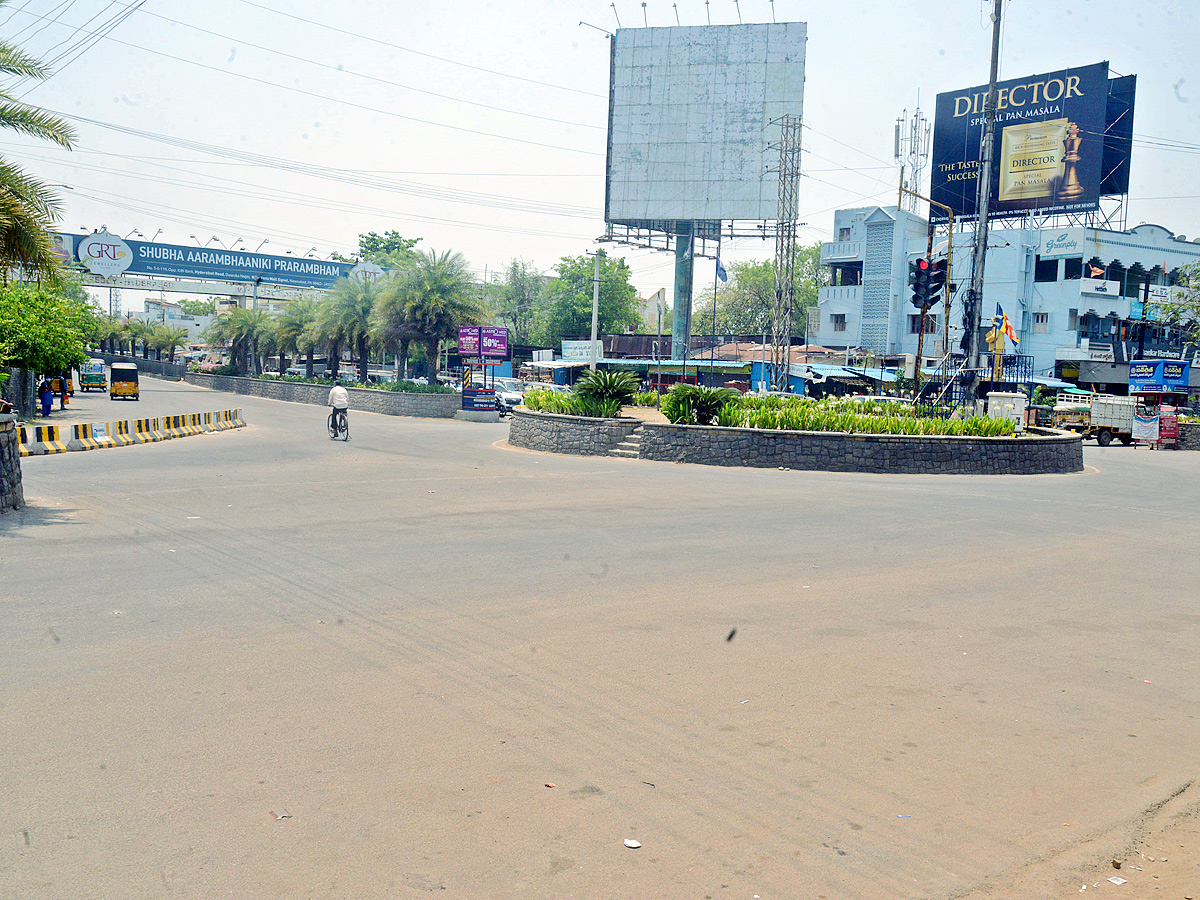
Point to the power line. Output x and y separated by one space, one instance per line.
452 62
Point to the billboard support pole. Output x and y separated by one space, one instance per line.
975 296
681 325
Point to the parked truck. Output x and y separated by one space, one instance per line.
1101 416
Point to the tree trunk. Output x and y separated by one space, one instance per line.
402 359
335 351
363 360
308 363
431 359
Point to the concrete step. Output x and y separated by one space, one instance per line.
627 453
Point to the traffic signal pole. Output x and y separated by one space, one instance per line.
949 276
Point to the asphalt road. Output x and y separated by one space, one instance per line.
938 686
159 397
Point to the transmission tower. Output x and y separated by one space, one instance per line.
785 249
912 150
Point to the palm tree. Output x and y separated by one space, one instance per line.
350 305
294 328
28 208
170 339
390 326
328 331
138 333
439 296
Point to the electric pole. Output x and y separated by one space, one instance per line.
785 250
974 302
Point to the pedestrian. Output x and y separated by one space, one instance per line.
46 395
62 382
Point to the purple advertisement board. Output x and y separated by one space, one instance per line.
468 340
493 341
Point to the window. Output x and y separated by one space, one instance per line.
1041 323
839 321
1072 320
1073 268
843 234
914 324
1045 269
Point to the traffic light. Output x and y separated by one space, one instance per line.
918 279
937 280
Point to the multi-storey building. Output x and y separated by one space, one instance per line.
1076 296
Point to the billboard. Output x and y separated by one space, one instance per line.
483 340
108 254
689 120
1050 147
1160 377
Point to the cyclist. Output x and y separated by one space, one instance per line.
339 399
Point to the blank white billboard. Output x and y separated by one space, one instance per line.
689 114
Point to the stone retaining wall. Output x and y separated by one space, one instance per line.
11 494
1189 436
389 403
553 433
1043 451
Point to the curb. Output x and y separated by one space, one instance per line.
42 440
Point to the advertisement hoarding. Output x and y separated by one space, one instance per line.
1048 148
468 340
689 123
1163 376
493 341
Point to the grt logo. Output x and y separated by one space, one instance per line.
105 254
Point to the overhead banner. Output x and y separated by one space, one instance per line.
107 255
1048 147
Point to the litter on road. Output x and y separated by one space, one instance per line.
632 844
1116 879
280 814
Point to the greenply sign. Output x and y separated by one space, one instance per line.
106 254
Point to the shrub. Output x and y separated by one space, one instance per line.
695 405
542 400
601 385
646 398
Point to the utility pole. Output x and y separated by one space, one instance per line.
595 308
975 295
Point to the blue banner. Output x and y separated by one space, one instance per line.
1161 376
106 254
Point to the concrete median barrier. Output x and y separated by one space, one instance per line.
41 440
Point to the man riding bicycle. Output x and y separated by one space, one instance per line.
339 399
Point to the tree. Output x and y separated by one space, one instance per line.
439 295
329 333
746 303
391 327
350 304
568 300
389 250
1183 309
192 307
515 300
168 339
28 208
295 330
139 333
41 332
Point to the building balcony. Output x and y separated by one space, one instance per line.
841 251
847 298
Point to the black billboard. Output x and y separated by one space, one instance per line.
1049 151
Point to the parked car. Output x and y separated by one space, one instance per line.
509 394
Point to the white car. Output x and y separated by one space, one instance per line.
509 394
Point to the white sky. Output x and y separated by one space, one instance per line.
480 126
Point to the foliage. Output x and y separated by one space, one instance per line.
347 310
390 249
543 400
515 300
401 387
294 328
567 300
646 399
1183 311
243 331
690 404
41 330
192 307
850 416
602 385
28 208
168 339
746 301
438 295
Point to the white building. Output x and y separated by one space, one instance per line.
1074 295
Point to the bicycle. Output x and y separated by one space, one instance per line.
339 425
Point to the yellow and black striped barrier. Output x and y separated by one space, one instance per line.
41 440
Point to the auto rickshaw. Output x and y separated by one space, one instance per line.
92 376
123 381
56 385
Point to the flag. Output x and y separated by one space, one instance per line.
721 273
1095 271
1005 325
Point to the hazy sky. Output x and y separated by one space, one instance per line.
480 126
